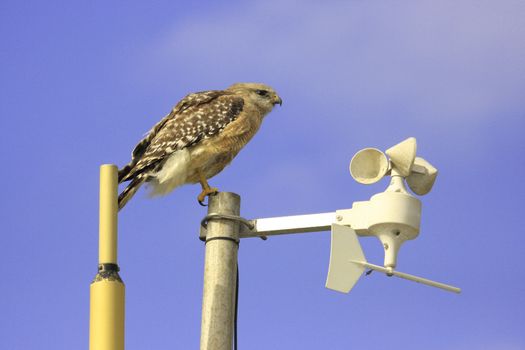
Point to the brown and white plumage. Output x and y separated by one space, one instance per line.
197 139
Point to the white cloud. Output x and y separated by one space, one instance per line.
444 61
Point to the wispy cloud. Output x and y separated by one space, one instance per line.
450 62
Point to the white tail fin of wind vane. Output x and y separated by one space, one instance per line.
345 248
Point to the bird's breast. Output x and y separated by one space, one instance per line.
212 155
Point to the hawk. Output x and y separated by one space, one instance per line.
197 139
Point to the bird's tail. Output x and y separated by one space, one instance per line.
130 191
122 173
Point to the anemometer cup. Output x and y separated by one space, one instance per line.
368 166
422 177
403 155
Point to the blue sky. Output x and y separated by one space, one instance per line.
82 82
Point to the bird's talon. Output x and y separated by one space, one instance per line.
210 191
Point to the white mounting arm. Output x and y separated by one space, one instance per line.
291 224
285 225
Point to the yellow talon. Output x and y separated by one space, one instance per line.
206 190
210 191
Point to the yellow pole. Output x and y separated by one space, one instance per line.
106 314
108 209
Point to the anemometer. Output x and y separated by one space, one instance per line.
393 216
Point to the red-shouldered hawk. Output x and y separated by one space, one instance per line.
197 139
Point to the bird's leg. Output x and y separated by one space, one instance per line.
206 189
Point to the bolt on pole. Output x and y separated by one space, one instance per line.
220 272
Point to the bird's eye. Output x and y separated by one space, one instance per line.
261 92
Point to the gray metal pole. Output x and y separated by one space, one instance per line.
220 271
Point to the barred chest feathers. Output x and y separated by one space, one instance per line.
210 156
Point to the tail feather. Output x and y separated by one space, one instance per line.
122 173
130 191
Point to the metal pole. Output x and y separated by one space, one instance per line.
106 313
220 271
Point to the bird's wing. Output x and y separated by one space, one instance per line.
189 101
196 117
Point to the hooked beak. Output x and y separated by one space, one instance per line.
277 100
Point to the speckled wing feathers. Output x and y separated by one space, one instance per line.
196 117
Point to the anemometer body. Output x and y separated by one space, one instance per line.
393 217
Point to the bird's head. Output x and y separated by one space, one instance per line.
262 95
